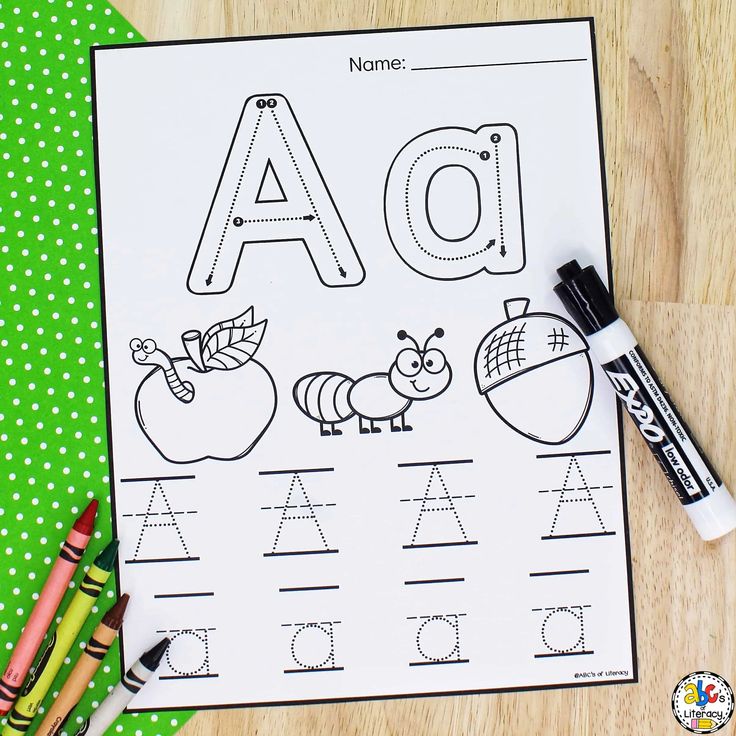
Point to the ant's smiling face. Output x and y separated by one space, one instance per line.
420 373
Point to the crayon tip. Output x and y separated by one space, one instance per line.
106 559
113 619
85 524
152 658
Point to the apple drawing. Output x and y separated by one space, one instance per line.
215 403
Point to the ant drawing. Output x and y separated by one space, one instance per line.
417 374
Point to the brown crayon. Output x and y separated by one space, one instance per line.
84 670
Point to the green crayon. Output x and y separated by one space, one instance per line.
48 666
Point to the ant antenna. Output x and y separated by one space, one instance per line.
403 335
439 332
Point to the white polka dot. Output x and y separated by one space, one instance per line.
46 142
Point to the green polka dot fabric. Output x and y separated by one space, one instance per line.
52 403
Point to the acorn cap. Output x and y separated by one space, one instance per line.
523 343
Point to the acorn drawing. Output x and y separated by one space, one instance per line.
535 372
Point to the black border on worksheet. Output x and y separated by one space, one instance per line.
591 22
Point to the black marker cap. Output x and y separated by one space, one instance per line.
152 658
585 297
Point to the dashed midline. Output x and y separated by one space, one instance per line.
408 213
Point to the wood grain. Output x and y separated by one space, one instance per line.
668 77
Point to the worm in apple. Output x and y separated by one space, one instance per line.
416 374
146 352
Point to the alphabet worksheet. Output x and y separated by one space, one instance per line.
359 450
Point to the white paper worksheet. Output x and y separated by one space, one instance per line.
358 448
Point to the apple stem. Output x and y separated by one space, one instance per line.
192 341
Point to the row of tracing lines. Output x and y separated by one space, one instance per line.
438 524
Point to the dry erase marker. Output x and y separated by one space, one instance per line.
701 492
117 701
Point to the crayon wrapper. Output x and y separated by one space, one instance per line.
62 641
43 613
77 682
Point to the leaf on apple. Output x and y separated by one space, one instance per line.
232 343
242 320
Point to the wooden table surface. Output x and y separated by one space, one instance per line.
668 81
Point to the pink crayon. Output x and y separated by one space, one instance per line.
46 606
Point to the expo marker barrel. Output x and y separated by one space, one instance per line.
701 492
61 642
84 670
116 702
46 606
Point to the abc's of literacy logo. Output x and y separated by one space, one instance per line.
702 702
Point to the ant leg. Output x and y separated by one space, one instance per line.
374 429
335 431
394 427
323 430
363 430
404 426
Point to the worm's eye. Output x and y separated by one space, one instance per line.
409 362
149 346
434 360
135 344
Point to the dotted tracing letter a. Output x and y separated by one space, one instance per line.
453 202
562 631
188 656
271 191
438 523
299 531
160 538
